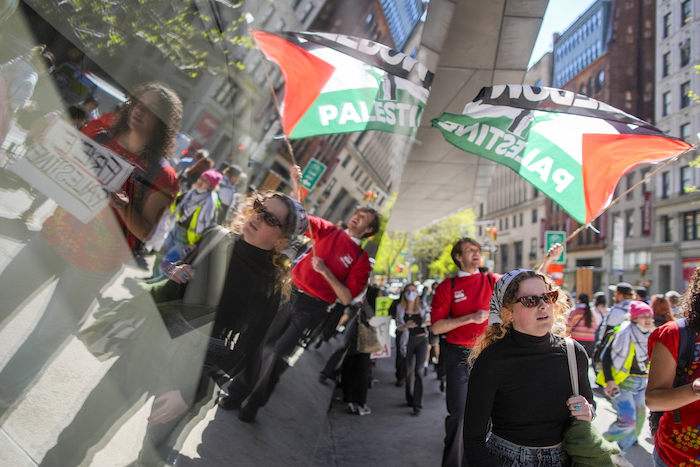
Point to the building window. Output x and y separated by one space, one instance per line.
518 255
667 25
685 132
629 223
504 257
645 185
582 89
667 226
685 94
295 4
329 187
685 53
600 81
534 216
346 161
686 180
666 65
666 107
515 221
691 221
665 184
533 247
685 12
591 83
521 219
630 182
307 11
506 223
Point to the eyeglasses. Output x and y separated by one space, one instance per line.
531 301
269 218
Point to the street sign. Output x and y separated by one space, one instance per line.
312 174
552 237
410 259
403 253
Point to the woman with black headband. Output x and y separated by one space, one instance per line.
520 378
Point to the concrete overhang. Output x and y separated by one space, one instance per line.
468 44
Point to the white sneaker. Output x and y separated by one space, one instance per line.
620 461
364 410
352 407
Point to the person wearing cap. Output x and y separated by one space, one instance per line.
520 378
642 294
460 310
625 376
243 277
624 294
336 269
674 298
194 213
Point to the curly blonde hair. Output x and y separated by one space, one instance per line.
498 331
281 261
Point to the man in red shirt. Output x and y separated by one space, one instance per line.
337 269
460 310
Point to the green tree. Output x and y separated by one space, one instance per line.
388 256
430 242
184 31
444 265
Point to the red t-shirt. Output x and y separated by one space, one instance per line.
678 444
470 294
345 259
99 246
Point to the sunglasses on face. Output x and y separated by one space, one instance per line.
531 301
268 217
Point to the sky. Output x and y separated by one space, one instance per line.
560 15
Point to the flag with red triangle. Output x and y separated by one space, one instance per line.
571 147
342 84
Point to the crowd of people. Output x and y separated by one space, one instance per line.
236 291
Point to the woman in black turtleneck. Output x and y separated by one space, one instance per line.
175 362
520 379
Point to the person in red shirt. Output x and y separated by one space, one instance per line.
337 269
83 258
460 310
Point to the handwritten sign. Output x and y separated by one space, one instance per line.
73 170
382 305
381 324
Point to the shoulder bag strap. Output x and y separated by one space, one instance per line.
573 367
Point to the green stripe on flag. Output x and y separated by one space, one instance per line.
544 164
353 110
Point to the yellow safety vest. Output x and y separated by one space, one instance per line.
192 235
618 375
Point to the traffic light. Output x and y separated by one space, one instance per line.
642 270
492 232
370 196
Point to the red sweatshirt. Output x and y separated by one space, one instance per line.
470 294
345 259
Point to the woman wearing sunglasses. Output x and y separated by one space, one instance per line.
520 379
246 276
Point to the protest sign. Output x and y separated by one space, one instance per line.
381 324
73 170
382 305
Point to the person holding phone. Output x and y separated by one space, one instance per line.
625 377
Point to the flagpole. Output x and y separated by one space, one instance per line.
286 139
577 231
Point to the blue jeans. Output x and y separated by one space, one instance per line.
631 412
658 462
175 248
507 454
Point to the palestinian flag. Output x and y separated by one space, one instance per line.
341 84
572 148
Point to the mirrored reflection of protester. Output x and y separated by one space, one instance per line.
355 371
520 379
411 320
671 345
195 212
244 278
583 323
18 78
232 175
84 258
191 174
625 377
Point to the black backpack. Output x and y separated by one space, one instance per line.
686 347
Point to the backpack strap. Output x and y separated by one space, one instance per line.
686 346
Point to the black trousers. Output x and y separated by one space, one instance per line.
355 377
259 379
456 395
